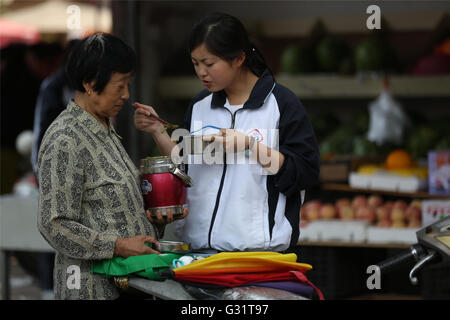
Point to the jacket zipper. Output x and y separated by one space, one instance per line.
219 192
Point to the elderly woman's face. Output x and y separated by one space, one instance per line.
114 95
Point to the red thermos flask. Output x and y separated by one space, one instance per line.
163 185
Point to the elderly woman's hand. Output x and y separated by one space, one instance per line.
144 122
163 220
134 246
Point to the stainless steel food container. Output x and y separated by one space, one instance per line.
173 246
195 145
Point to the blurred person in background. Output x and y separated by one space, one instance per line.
54 95
22 70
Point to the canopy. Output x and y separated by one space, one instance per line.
59 16
11 32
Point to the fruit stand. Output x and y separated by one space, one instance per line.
370 198
345 229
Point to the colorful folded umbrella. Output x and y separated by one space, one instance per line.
232 269
236 280
244 262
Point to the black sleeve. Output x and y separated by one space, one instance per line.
48 106
298 144
188 115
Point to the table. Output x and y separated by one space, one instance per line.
18 232
166 290
172 290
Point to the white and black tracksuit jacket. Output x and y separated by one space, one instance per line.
233 206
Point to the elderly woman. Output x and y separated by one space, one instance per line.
90 204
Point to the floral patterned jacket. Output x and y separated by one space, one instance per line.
89 196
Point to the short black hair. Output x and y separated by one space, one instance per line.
96 58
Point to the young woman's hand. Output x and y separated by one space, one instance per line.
134 246
235 141
232 140
143 121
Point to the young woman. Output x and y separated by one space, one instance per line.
232 206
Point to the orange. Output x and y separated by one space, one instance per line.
444 47
398 159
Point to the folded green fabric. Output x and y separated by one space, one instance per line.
147 266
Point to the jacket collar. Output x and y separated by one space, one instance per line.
90 122
258 96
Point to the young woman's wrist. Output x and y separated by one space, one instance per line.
251 143
157 131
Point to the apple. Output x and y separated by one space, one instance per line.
383 213
414 223
389 205
359 201
347 213
303 214
343 202
375 201
384 223
400 204
328 211
398 214
313 214
365 213
413 213
312 204
398 224
340 209
416 203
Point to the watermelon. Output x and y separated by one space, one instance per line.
332 55
374 54
296 59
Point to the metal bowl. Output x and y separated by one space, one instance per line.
173 247
195 145
176 211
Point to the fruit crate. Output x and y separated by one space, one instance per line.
337 169
336 271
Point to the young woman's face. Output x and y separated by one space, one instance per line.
216 74
111 100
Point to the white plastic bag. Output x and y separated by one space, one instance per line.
387 120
